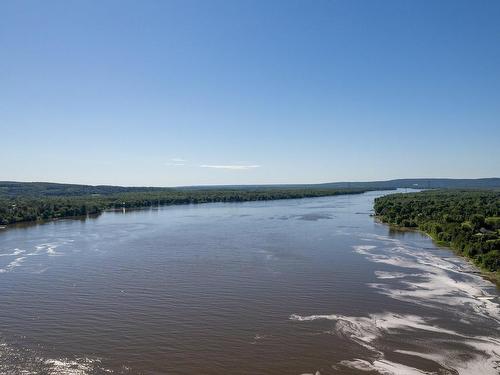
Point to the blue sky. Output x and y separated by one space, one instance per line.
232 92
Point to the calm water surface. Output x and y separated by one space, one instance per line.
279 287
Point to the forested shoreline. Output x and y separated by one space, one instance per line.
467 221
34 208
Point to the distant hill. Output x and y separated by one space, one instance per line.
417 183
424 183
11 189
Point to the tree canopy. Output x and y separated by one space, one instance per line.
467 221
31 208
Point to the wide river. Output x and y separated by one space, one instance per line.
306 286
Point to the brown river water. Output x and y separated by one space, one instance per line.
306 286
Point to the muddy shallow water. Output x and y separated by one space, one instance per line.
278 287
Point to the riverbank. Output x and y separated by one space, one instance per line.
466 221
494 277
27 209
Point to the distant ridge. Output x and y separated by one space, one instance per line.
10 189
418 183
43 189
428 183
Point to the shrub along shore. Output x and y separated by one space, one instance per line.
464 220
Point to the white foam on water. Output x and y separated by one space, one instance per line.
31 362
431 284
364 249
80 366
384 367
393 275
425 279
47 248
14 253
482 353
15 263
488 364
368 329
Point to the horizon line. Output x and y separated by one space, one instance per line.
258 184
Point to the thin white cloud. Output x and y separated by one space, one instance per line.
176 162
232 167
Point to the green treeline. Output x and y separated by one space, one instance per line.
32 208
12 189
467 221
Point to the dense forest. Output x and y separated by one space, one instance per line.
12 189
19 208
467 221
